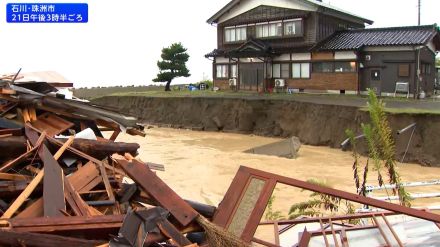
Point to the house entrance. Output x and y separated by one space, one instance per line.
375 80
251 76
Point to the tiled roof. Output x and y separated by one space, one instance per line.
215 53
395 36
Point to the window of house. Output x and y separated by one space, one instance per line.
293 28
403 70
285 70
301 70
323 67
234 71
276 70
234 34
345 66
269 30
222 71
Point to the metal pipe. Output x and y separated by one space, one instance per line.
406 128
413 127
345 143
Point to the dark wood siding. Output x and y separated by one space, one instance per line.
267 14
327 25
316 27
388 65
428 80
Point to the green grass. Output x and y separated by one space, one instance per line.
411 111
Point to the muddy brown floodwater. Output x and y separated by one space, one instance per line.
201 165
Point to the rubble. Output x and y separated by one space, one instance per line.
287 148
63 183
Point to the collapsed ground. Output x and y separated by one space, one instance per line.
314 119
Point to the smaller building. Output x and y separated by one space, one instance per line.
383 57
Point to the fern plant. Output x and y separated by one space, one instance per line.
320 204
271 214
381 149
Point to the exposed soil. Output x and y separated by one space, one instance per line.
315 124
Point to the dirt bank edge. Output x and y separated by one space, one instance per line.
314 124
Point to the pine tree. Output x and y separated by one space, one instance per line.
173 64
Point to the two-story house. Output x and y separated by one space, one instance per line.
309 45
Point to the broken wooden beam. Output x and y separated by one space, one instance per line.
159 191
12 146
16 145
110 223
53 190
13 238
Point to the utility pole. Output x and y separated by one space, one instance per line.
419 7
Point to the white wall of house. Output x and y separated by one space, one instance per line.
431 46
345 55
301 56
282 57
221 60
247 5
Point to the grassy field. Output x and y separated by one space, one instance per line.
96 92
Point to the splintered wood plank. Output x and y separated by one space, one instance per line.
52 124
23 196
32 114
53 190
12 238
51 224
25 114
64 147
115 135
36 142
84 176
7 91
77 204
170 231
32 211
16 177
161 192
91 185
108 187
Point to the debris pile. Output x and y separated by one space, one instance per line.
63 183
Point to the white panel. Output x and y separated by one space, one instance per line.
247 5
283 57
222 60
301 56
249 60
341 55
431 46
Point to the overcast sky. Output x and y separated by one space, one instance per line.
122 41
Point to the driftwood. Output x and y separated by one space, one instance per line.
15 145
12 146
